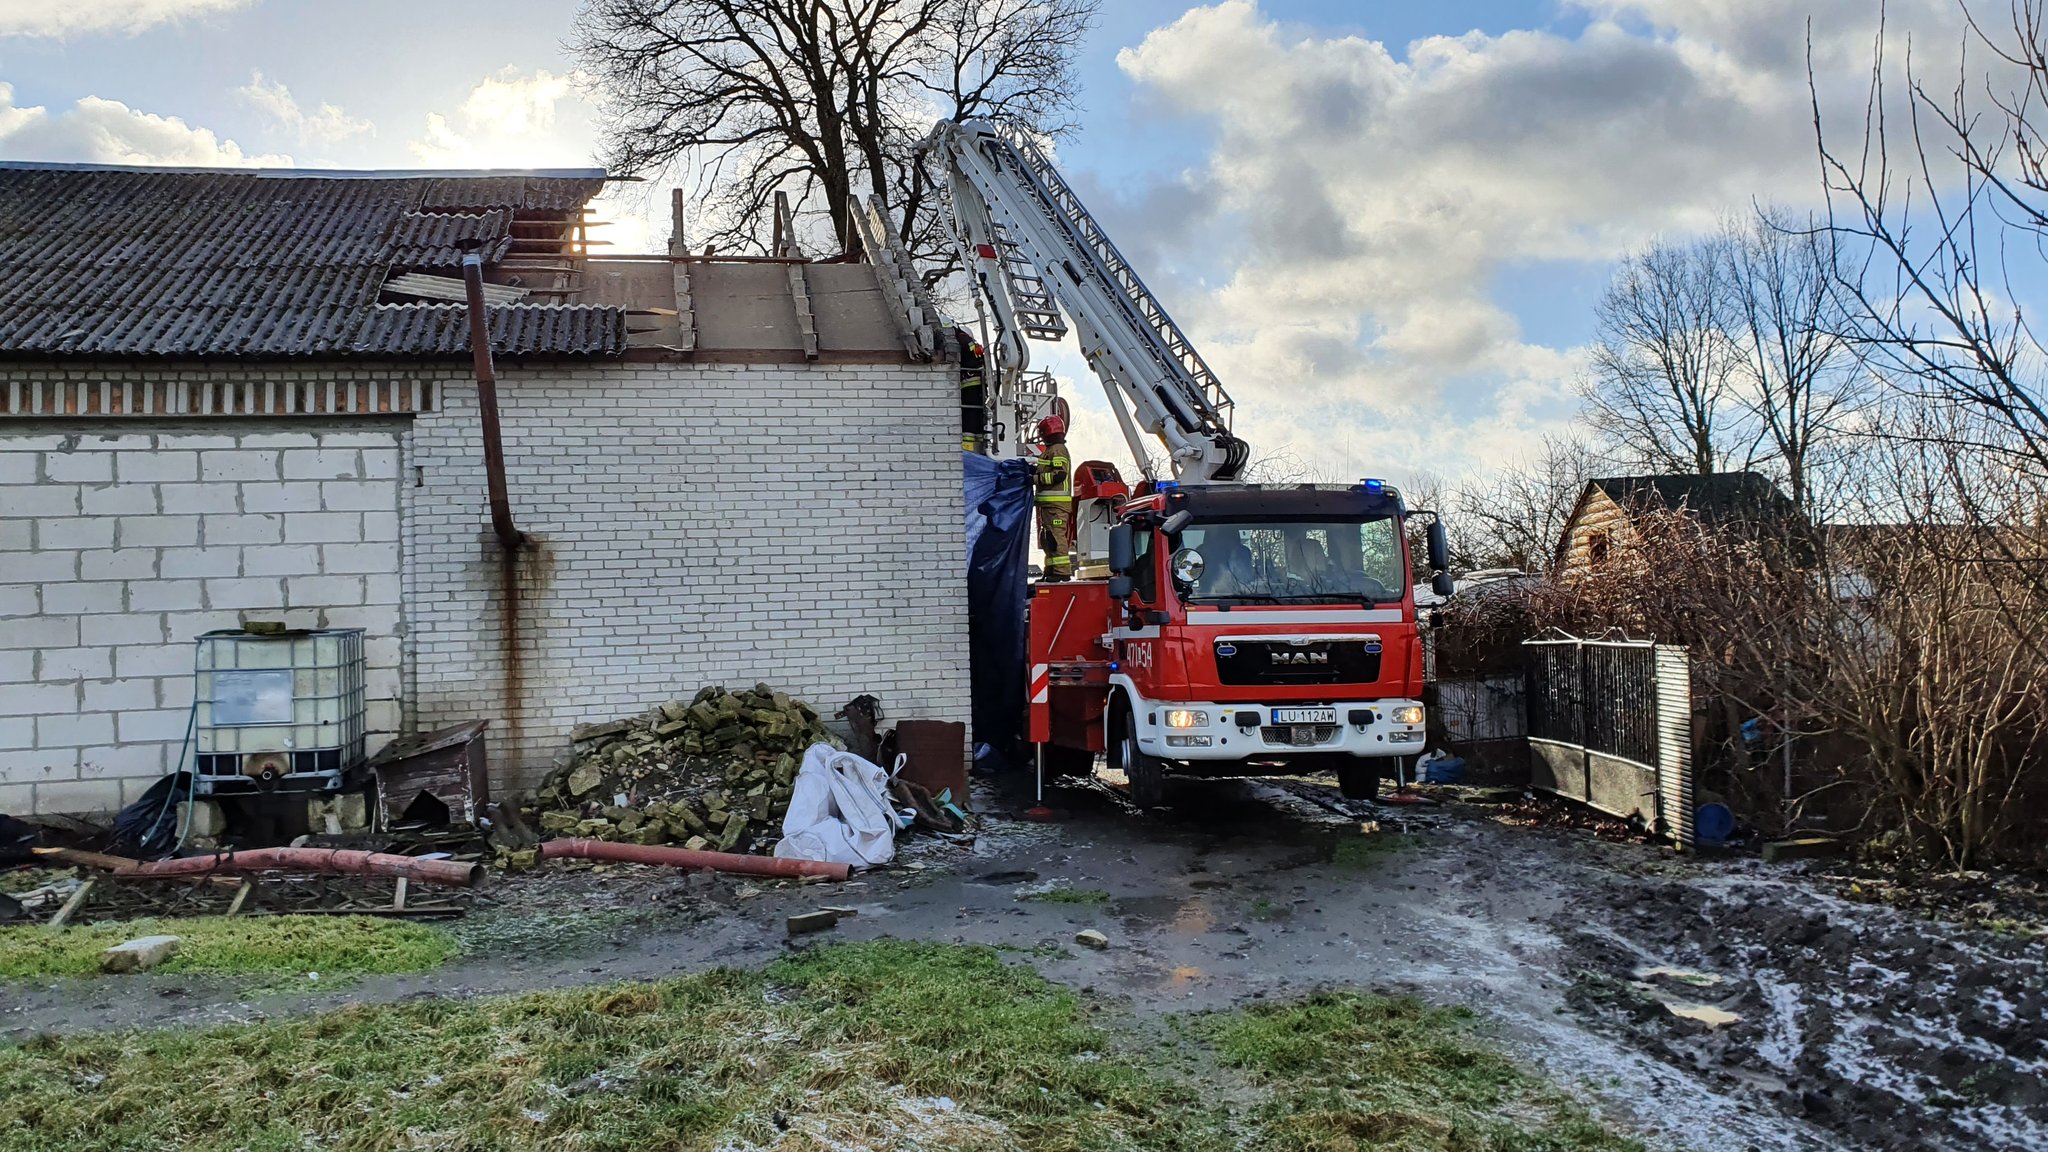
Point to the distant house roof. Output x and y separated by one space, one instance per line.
1715 496
111 261
1743 501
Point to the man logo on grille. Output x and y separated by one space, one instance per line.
1300 657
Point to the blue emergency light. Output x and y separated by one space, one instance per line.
1375 485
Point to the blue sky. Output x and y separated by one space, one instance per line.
1385 221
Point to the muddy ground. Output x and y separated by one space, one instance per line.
1855 1025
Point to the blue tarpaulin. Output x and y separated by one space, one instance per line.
998 497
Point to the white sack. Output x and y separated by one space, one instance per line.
839 811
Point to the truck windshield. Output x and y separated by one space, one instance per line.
1319 561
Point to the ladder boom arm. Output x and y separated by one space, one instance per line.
1031 238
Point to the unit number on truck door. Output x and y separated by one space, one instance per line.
1138 654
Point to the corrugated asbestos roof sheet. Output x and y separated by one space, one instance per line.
159 262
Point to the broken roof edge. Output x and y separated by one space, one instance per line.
327 173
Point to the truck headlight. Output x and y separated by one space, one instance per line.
1186 718
1409 715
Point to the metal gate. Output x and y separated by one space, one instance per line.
1610 725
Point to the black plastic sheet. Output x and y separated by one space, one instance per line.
998 498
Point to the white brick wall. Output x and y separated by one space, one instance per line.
696 524
122 543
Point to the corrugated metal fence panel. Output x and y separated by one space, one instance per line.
1674 742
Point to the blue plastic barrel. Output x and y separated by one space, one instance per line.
1713 823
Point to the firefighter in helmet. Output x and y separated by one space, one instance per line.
1054 482
973 392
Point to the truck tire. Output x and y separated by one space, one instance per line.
1146 774
1360 779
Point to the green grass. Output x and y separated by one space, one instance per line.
880 1045
1065 895
1352 1070
1367 850
255 945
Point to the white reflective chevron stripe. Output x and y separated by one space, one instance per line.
1041 683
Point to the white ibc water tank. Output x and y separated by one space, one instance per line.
279 710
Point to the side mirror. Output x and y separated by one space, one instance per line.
1122 550
1121 587
1439 547
1442 584
1176 522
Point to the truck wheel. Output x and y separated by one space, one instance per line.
1147 776
1359 780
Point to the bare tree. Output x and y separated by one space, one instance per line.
822 99
1659 390
1947 227
1801 379
1513 517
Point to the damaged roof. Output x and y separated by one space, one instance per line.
113 261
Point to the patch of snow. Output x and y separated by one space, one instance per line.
1781 1045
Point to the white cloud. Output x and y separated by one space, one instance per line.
537 119
1377 197
99 131
324 125
513 119
59 18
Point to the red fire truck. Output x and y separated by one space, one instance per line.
1217 627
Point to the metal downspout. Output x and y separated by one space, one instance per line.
509 536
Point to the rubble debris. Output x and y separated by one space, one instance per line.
138 955
730 862
1090 938
862 714
16 838
817 921
711 773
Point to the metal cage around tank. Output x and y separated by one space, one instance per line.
280 710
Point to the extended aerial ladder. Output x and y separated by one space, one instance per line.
1035 250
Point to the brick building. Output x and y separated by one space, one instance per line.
247 396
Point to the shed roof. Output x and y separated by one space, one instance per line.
111 261
1715 496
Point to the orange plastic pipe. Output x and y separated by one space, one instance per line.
731 862
337 861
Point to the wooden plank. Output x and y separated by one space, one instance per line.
398 895
72 905
241 897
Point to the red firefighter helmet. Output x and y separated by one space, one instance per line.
1052 426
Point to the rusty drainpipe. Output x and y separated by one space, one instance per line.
509 536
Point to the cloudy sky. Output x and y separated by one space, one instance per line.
1385 222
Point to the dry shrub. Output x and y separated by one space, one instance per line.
1907 662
